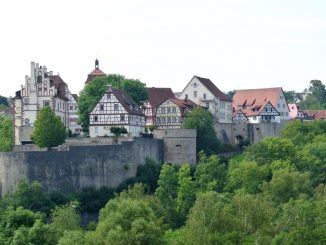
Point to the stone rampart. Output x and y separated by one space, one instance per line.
81 166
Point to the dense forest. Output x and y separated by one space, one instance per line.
272 193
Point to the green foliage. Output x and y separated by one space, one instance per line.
290 96
316 97
247 176
287 184
4 101
117 131
210 173
127 219
94 90
206 136
186 191
6 134
271 149
148 174
49 131
72 237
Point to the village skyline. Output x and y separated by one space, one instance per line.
236 44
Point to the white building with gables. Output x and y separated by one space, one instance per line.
116 108
203 92
260 105
41 89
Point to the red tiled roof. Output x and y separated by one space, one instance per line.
213 89
316 114
60 85
157 96
95 73
183 104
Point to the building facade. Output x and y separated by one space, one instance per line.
203 92
41 89
116 109
155 97
171 113
261 105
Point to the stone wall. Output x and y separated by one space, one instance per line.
179 145
81 166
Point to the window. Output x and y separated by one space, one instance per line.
158 120
169 119
26 121
116 107
174 110
108 96
255 118
281 97
168 110
186 96
163 120
101 107
195 85
286 113
283 105
163 110
204 96
195 94
71 107
26 100
46 103
122 118
278 105
96 130
174 120
95 118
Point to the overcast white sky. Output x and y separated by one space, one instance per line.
236 43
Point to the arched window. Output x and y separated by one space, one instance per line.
39 89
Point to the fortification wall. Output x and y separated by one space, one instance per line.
179 145
81 166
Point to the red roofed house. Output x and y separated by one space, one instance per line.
41 89
156 96
116 108
261 105
295 112
315 114
203 92
171 112
95 73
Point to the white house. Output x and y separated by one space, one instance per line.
203 92
41 89
261 105
116 108
170 114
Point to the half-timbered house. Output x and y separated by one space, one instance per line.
170 113
262 105
116 108
155 97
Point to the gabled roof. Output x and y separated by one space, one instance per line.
316 114
75 96
256 97
213 89
95 73
158 95
182 104
125 100
239 111
60 85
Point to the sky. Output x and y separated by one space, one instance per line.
237 44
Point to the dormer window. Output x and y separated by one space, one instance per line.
101 107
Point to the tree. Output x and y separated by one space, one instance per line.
206 136
6 134
4 101
210 173
247 176
94 90
290 96
271 149
286 184
316 97
127 219
166 192
186 190
117 131
49 131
